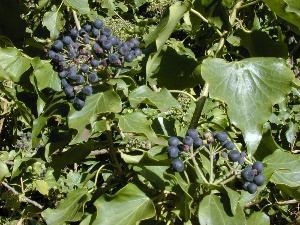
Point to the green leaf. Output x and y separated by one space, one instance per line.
250 88
3 75
285 167
104 102
259 44
163 31
176 71
66 209
163 99
82 6
3 170
258 218
42 187
54 22
213 210
289 10
234 199
46 77
127 206
291 132
14 63
136 122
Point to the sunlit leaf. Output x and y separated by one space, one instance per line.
82 6
258 218
250 88
54 22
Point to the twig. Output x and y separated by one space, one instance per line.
293 201
4 109
99 152
155 88
24 197
76 19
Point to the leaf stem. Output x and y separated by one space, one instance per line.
199 106
206 20
183 92
76 19
198 171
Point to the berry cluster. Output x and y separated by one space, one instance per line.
79 55
176 147
252 177
233 155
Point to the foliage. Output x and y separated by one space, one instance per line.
188 113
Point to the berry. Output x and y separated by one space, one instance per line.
64 83
178 165
67 40
258 166
97 48
93 77
129 57
137 52
198 142
247 175
135 42
98 23
69 91
82 32
224 155
63 74
193 133
245 185
173 151
114 59
94 62
73 69
243 154
188 141
229 145
51 54
74 33
72 75
79 103
87 90
173 141
106 31
84 68
86 39
259 179
80 79
241 160
252 188
107 44
87 27
72 54
57 45
95 32
221 136
234 155
102 38
114 40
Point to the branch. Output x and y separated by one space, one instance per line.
293 201
76 19
19 194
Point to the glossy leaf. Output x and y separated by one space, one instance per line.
285 167
234 199
250 88
54 22
258 218
67 208
127 206
105 102
163 99
136 122
3 170
214 210
82 6
14 62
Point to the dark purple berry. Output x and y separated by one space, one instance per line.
188 141
259 179
252 188
247 175
79 103
107 44
224 155
178 165
94 62
63 74
233 155
84 68
67 40
129 57
198 142
95 32
98 23
114 59
229 145
258 166
135 42
80 79
93 77
69 91
57 45
221 136
87 27
106 31
137 52
87 90
173 151
173 141
74 33
51 54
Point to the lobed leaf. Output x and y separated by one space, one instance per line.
250 88
54 22
82 6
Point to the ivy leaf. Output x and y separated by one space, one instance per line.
163 31
250 88
14 63
3 170
136 122
82 6
289 10
163 100
67 209
258 218
234 199
104 102
285 168
54 22
214 210
127 206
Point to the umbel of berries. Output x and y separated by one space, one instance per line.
174 152
252 177
79 56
